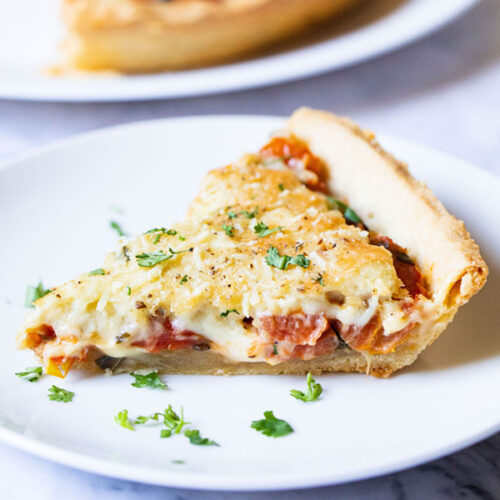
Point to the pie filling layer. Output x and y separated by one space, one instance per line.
267 268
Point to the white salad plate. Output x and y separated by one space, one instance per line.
31 30
55 208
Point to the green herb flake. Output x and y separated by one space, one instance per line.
252 214
184 279
194 438
229 230
34 293
275 350
31 374
274 259
262 230
61 395
151 379
319 279
161 231
225 314
122 419
349 214
272 426
178 462
152 259
116 226
281 187
232 215
313 392
129 290
97 272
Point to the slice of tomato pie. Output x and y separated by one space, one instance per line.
318 253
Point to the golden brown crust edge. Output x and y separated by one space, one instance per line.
137 37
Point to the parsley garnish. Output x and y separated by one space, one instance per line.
275 350
272 426
161 231
62 395
274 259
232 215
281 187
97 272
194 438
252 214
228 230
31 374
262 230
173 423
179 462
122 419
151 259
184 279
151 379
225 314
129 290
319 279
349 214
314 390
34 293
114 225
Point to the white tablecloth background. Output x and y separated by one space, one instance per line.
443 92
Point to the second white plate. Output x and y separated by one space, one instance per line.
55 208
30 31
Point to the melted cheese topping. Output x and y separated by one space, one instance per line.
222 270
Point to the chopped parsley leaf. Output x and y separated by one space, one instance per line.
122 419
272 426
184 279
34 293
151 259
274 259
281 187
114 225
263 230
173 423
182 238
62 395
232 215
161 231
31 374
228 230
349 214
178 462
97 272
129 290
225 314
314 390
252 214
319 279
194 438
151 379
275 350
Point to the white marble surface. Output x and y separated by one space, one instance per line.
443 92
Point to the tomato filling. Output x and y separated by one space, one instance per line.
405 268
164 336
298 157
296 336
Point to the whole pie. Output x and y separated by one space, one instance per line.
318 253
153 35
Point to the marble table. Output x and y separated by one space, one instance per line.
443 92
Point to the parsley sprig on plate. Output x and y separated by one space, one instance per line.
312 393
272 426
117 227
173 423
151 379
61 395
31 374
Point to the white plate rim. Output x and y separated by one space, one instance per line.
204 481
234 76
